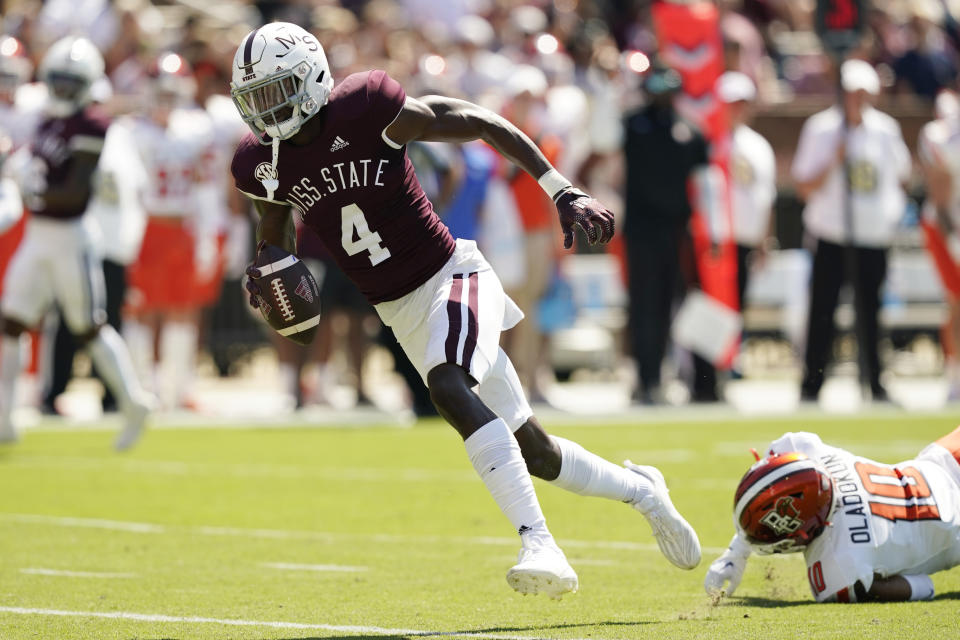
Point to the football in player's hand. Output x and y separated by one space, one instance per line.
288 295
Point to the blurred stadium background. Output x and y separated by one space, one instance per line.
591 57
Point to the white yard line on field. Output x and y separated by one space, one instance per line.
63 573
233 622
287 534
293 566
89 523
253 470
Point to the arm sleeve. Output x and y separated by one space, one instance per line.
766 177
812 153
833 573
244 170
901 154
385 98
804 442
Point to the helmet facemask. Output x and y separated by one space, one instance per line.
278 105
68 92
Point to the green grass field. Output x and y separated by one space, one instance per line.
386 532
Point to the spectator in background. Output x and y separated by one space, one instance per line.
526 88
850 153
663 154
753 175
342 305
929 63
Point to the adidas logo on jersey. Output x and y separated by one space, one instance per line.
338 143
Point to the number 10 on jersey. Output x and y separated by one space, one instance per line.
354 224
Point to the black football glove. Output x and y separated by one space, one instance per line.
578 209
253 290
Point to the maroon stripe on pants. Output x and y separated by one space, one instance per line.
454 317
470 344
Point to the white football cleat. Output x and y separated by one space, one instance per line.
135 414
676 538
544 569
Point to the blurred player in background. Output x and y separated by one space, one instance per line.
56 261
868 531
19 114
176 144
116 208
338 155
939 153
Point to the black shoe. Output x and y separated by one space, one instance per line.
704 396
651 397
364 401
878 393
809 395
48 408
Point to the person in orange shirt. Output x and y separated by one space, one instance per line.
526 88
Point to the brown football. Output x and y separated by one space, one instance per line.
289 297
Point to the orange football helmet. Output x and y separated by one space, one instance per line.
782 503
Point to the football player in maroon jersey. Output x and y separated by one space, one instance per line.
56 261
338 156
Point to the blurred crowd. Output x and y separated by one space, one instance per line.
569 73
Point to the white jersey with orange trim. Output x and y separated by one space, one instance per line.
901 519
228 130
939 144
178 159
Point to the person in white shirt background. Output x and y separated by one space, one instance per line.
849 139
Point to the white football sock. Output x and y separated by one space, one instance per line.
496 456
139 339
178 360
112 360
9 371
587 474
289 379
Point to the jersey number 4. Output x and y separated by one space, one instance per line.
898 494
356 235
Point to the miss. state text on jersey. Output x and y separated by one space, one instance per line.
356 190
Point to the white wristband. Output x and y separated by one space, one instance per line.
921 587
553 183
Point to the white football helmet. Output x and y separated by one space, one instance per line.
69 69
281 79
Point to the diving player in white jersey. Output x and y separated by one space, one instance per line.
868 530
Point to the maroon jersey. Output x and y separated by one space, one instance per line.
356 191
54 144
